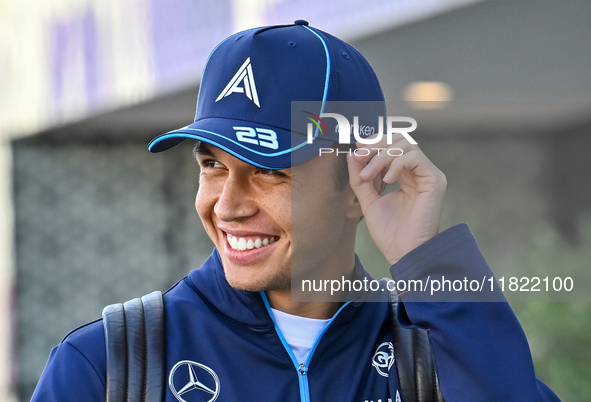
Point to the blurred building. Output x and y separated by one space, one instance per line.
89 217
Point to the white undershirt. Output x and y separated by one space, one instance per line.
300 333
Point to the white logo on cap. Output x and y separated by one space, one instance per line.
245 77
259 136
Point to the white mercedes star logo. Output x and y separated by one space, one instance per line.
194 384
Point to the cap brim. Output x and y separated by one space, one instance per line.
260 145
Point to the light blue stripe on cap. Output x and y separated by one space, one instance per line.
327 74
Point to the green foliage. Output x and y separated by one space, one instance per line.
559 338
560 333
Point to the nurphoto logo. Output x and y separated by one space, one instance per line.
362 133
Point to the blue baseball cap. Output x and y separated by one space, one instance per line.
250 81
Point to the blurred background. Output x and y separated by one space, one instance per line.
89 217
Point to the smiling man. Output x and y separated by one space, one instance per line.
275 211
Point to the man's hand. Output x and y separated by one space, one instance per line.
400 221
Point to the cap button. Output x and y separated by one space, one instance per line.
301 22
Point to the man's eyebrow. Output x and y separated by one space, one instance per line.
202 150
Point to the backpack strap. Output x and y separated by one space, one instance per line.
416 372
134 335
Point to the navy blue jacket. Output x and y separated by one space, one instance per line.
224 345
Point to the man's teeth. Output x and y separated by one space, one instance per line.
243 244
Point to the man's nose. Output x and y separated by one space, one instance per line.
236 200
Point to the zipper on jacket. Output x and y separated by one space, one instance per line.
302 368
303 380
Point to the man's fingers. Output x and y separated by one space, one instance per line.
388 166
410 162
414 161
381 161
365 152
425 175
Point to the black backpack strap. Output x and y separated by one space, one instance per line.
134 335
155 373
416 372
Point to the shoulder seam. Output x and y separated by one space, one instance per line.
87 359
78 328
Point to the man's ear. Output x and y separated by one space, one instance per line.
353 204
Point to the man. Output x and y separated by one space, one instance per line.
275 205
